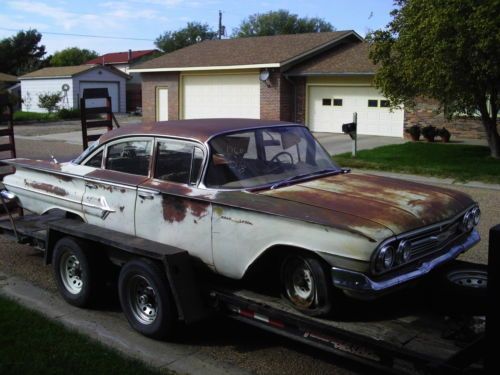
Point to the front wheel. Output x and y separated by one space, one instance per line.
304 284
146 299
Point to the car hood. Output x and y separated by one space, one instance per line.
396 204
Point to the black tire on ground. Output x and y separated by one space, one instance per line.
305 284
147 300
75 271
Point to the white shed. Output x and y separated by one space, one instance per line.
70 81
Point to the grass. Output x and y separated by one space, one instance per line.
460 162
32 344
62 114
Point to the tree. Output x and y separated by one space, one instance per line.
21 53
72 56
193 33
447 50
49 101
280 22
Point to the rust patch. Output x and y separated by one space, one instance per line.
123 191
122 208
47 188
174 209
237 221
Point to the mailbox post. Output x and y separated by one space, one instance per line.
351 129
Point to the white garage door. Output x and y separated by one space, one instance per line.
330 107
230 96
113 91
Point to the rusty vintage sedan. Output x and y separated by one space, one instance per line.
256 197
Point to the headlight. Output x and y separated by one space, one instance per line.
468 221
476 213
404 251
385 258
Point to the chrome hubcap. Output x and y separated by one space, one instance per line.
471 279
71 273
142 300
299 283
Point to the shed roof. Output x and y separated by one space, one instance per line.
68 71
274 50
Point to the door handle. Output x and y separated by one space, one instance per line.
146 196
90 185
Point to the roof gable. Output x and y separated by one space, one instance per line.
274 51
347 59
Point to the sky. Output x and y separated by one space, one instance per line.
134 24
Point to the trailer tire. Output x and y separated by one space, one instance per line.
304 285
147 300
75 271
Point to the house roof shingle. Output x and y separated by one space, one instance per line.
351 58
4 77
120 57
68 71
276 49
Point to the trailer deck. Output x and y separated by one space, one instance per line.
399 335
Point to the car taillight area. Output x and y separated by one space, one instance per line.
415 245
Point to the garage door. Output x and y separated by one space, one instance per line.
113 91
230 96
329 107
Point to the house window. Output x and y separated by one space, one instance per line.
384 103
372 103
337 102
327 101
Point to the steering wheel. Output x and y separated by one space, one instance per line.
276 158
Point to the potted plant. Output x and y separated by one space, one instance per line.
444 134
429 132
414 132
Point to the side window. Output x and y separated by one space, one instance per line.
95 161
178 162
130 157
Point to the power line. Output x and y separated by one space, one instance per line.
84 35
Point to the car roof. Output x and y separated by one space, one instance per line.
200 129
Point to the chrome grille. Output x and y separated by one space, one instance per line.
433 240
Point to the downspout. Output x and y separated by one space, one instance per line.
294 96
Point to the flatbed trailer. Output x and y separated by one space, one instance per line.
408 342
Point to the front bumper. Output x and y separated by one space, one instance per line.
359 284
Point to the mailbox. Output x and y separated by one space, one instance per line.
349 128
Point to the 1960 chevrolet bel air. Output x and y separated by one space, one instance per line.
236 193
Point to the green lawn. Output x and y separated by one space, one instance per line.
32 344
460 162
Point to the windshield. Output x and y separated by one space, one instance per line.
264 156
85 153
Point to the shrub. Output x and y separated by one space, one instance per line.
414 131
21 116
66 114
49 100
429 132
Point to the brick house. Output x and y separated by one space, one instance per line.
318 79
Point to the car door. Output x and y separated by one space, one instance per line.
167 209
111 189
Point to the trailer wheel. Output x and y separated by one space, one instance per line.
304 284
74 271
146 299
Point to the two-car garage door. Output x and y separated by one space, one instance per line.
221 95
331 106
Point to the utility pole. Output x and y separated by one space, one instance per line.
220 24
